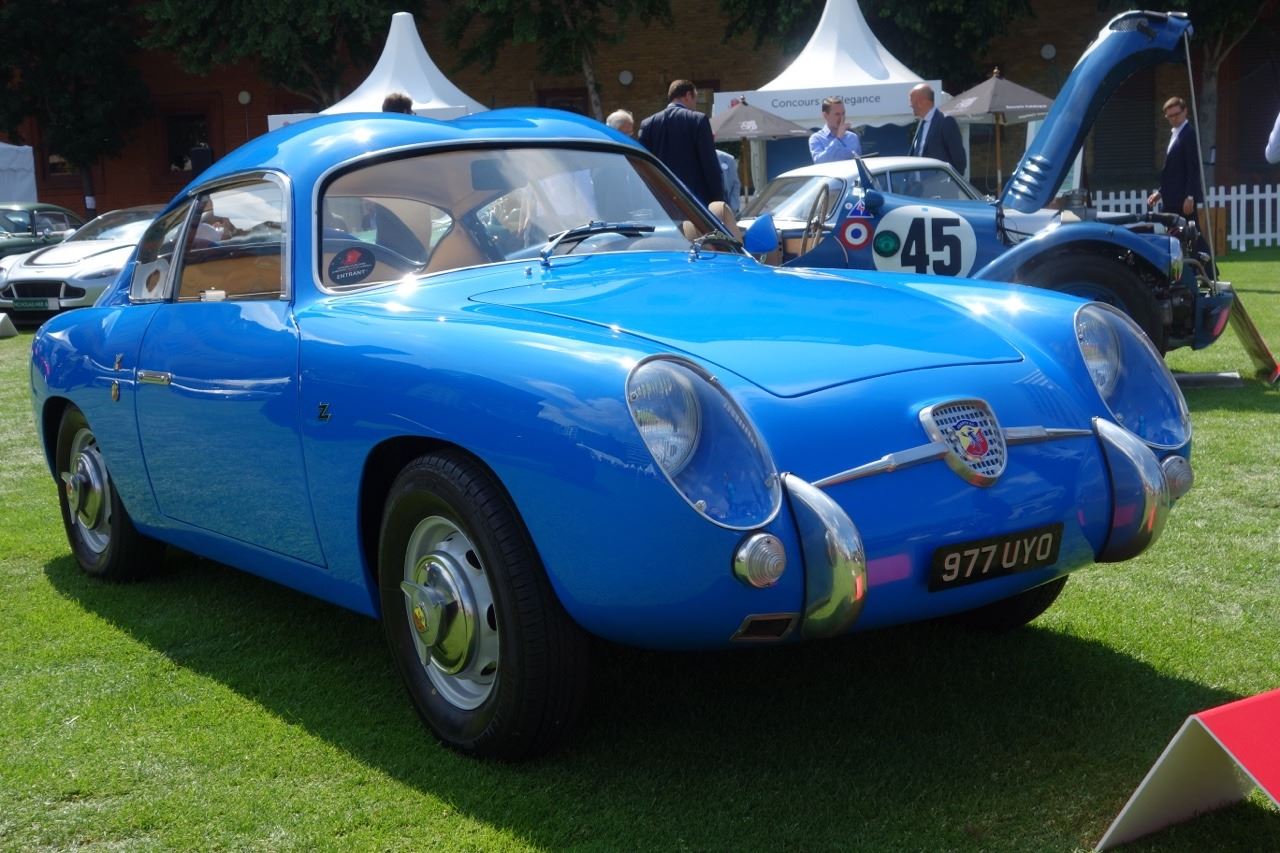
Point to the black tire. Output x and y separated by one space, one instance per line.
101 534
1014 612
1104 280
506 675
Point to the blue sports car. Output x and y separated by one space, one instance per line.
503 384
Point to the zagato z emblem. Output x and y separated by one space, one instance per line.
975 442
323 413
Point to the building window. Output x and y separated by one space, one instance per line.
573 100
184 131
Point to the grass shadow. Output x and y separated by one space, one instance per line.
925 737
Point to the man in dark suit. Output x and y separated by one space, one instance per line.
1180 178
937 135
680 136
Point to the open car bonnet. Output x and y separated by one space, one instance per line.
789 332
1128 42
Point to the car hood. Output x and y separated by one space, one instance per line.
1130 41
74 252
789 331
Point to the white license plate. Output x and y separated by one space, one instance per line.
995 556
36 303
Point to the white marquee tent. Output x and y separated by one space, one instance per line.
17 173
842 58
404 66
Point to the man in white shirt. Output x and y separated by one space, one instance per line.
834 141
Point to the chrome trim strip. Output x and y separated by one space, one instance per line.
1033 434
935 450
1141 498
835 564
888 463
155 377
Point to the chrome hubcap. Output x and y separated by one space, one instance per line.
450 608
86 485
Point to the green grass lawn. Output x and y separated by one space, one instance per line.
208 709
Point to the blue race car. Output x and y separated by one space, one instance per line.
503 384
1150 265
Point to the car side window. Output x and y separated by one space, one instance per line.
155 256
235 245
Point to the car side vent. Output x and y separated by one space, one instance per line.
1133 23
773 626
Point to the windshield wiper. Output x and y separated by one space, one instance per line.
718 238
582 232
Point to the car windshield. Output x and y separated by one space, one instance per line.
124 225
445 210
792 198
931 183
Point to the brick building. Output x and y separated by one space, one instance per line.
232 103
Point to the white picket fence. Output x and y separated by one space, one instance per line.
1253 215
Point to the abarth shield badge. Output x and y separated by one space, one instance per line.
975 443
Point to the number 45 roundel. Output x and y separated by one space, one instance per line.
926 240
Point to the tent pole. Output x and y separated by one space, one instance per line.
999 162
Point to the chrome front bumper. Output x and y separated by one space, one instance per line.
1143 491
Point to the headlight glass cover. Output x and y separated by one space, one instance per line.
1131 377
703 442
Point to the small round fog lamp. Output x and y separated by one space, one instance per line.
760 560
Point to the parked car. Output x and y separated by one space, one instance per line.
1151 266
73 273
789 198
502 383
27 225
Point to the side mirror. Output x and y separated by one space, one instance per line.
762 237
46 232
873 199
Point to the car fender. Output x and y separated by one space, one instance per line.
1085 237
554 430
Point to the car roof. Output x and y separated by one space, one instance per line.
32 206
876 165
309 148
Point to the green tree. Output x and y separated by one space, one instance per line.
567 32
942 39
65 64
301 46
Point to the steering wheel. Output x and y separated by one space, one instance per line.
814 221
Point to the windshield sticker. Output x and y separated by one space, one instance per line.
351 266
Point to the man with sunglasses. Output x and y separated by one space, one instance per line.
1180 178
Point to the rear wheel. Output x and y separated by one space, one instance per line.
1102 280
494 665
101 534
1013 612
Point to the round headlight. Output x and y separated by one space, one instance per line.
1099 348
1131 377
666 412
703 442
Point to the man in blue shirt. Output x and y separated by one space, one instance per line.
835 141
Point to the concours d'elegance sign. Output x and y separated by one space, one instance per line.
882 101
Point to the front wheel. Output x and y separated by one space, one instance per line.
493 664
101 534
1103 280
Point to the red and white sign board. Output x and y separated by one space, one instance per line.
1217 758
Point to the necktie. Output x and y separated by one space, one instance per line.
917 145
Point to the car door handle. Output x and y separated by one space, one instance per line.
155 377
